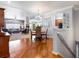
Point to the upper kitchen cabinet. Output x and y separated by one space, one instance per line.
10 13
21 15
1 17
14 13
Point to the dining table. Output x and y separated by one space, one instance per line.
43 33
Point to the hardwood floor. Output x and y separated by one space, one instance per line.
24 48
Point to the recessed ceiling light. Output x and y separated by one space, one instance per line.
9 1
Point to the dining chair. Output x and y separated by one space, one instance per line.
38 33
44 35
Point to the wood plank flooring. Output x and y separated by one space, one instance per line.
24 48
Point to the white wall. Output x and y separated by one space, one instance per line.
76 24
66 32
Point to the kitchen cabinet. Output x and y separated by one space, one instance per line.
4 46
1 17
15 13
4 39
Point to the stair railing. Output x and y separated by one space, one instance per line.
65 44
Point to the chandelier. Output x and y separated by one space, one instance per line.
38 16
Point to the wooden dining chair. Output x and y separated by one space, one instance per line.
38 33
44 35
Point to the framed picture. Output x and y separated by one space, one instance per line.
59 23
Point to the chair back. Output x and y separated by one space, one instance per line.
38 32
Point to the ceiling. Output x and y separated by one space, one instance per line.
31 7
